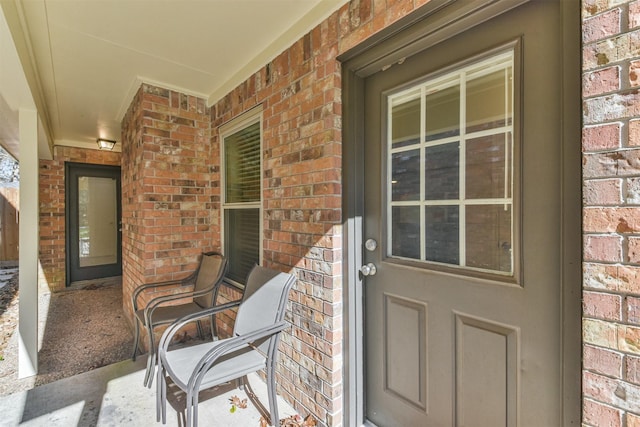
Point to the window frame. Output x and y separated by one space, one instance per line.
248 118
444 75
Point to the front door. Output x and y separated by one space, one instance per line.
94 239
462 228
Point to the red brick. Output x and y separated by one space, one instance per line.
602 306
601 26
602 361
634 73
634 14
629 339
632 373
601 137
598 415
633 249
611 220
603 248
633 310
600 388
602 192
601 81
634 133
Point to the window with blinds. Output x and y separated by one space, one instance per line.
242 199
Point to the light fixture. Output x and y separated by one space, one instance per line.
105 144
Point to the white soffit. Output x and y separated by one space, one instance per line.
91 55
15 94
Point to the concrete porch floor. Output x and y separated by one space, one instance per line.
114 396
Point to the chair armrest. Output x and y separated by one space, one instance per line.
142 288
228 345
157 301
168 334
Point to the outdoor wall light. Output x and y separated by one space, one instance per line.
105 144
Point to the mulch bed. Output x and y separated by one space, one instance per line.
8 312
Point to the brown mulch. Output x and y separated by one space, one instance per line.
8 313
80 329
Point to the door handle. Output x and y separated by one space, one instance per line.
368 269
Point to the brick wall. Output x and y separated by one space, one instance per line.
611 195
300 93
52 275
167 171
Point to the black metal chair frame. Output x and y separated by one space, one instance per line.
256 346
145 317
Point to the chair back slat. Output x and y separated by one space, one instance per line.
265 299
211 270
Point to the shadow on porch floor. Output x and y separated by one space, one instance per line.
115 396
86 378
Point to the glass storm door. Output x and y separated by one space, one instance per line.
93 208
462 195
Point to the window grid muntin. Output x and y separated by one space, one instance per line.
500 62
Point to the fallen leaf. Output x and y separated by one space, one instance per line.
263 422
309 422
240 403
292 421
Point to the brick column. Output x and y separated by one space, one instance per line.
167 205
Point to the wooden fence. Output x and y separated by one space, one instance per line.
9 237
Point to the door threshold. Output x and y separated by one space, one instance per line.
95 283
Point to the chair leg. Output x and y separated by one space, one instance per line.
200 331
151 360
194 410
271 392
164 397
136 340
188 409
213 324
161 395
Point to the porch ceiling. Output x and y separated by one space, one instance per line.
90 56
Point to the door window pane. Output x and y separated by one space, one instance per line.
488 167
488 105
406 231
451 191
488 237
405 175
97 221
405 122
442 113
442 174
442 224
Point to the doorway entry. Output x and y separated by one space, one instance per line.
94 238
459 228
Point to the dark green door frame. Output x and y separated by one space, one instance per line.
76 272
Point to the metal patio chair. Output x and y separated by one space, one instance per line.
201 291
252 347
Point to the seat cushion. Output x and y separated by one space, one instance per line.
181 362
167 314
